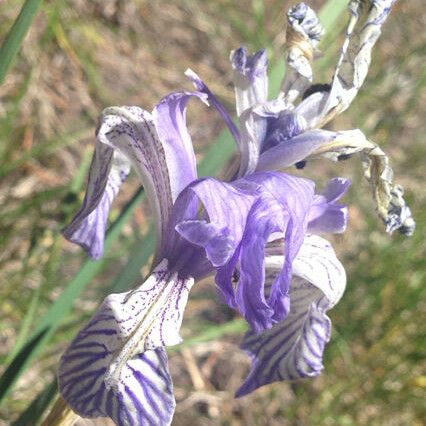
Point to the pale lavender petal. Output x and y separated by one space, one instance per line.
170 123
203 88
333 220
218 231
293 348
250 78
312 108
294 150
237 222
225 204
111 351
107 172
336 189
325 214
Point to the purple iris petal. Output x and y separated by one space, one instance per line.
225 204
254 209
144 394
296 196
107 172
170 123
203 88
293 348
266 217
325 214
217 241
294 150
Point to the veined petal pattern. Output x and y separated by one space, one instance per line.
118 350
293 348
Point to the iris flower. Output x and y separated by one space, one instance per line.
257 233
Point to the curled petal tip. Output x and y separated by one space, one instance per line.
250 78
305 22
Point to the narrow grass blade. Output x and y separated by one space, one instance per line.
13 40
20 361
331 13
30 316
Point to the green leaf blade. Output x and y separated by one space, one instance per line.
16 35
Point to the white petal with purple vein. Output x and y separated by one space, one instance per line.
131 131
293 348
142 396
120 343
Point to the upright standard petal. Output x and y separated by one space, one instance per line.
254 130
250 78
294 348
115 366
170 123
203 88
159 148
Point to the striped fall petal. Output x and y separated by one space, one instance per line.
116 366
293 348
